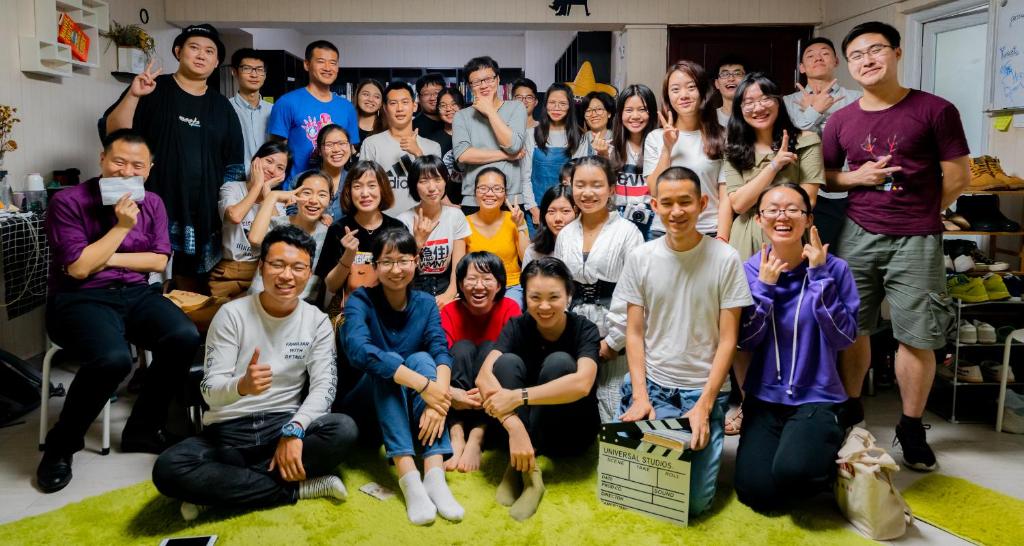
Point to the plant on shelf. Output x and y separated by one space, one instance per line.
134 46
7 121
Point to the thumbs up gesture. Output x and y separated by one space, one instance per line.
257 378
409 143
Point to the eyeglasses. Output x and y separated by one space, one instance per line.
430 94
247 69
336 145
525 98
558 106
296 268
772 214
496 190
874 51
449 108
483 81
765 101
733 74
594 111
486 282
390 264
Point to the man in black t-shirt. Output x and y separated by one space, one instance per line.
197 144
428 121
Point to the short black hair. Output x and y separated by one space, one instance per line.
524 82
806 197
873 27
426 165
246 53
816 40
397 238
606 100
272 147
455 94
679 173
489 170
313 173
430 78
398 85
130 136
479 63
485 262
547 266
727 60
320 44
289 235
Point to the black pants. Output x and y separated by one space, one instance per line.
96 327
829 217
467 359
227 464
564 429
786 453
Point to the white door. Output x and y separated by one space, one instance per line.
953 67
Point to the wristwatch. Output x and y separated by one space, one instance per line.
293 430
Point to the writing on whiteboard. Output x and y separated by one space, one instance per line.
1007 52
1012 80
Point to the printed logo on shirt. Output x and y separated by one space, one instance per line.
311 126
363 258
398 174
877 150
631 182
296 350
434 256
191 122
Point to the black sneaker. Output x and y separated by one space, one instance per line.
917 454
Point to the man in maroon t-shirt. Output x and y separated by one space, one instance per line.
908 160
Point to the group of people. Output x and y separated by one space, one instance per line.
490 276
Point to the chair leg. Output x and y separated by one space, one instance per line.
106 429
44 397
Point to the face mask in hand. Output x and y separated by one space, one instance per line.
111 189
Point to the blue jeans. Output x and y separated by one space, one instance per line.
515 293
671 403
399 409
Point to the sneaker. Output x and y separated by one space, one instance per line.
964 263
948 262
984 263
1014 285
967 333
996 170
967 289
917 454
993 371
995 288
969 373
982 178
945 369
986 332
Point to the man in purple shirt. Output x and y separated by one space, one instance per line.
908 160
100 302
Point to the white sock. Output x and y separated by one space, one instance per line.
190 512
322 488
437 487
417 502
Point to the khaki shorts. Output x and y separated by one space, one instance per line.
908 272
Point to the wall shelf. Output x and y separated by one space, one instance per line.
41 54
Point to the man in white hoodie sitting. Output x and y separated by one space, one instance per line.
264 444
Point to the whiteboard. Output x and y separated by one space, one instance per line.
1007 18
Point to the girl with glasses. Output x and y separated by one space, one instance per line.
549 146
598 109
501 232
764 148
333 153
449 102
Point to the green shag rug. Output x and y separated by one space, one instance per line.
970 511
569 513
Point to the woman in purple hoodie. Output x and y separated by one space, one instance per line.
804 313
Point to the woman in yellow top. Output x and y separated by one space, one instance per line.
499 232
764 148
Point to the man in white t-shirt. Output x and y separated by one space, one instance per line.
270 379
684 293
396 148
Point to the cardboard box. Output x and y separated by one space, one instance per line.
643 477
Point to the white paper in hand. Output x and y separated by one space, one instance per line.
111 189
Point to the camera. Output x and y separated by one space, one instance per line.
638 213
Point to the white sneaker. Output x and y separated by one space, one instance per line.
948 262
969 373
968 333
986 332
964 263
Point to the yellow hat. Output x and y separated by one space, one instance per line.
585 82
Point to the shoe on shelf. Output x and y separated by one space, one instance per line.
984 263
982 211
949 226
969 373
965 263
982 178
944 369
1014 285
1003 332
986 332
993 371
996 170
967 333
995 287
958 220
917 454
966 289
948 262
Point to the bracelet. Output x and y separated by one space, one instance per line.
526 397
427 384
507 417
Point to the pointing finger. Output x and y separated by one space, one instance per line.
882 161
784 145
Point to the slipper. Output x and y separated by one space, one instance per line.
734 421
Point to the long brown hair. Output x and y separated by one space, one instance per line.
711 131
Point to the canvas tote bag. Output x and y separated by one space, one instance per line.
864 488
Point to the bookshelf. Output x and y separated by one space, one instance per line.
454 77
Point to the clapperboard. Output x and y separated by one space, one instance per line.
644 477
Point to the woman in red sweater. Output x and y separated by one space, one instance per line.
472 324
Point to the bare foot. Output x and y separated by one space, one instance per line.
470 459
458 439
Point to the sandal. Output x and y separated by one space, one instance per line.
734 422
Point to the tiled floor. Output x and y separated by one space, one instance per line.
974 452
